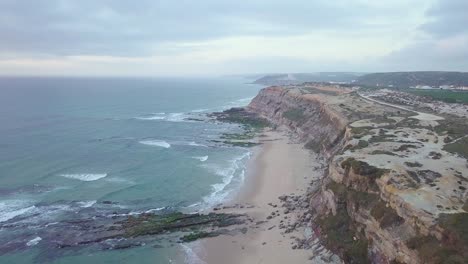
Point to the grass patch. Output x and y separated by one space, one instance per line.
383 152
456 225
362 144
382 138
360 130
362 168
338 235
431 250
460 147
453 127
405 147
413 164
448 96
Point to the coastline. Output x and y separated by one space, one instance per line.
278 167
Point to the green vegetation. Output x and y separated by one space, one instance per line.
196 235
432 251
152 224
405 147
408 79
247 135
339 236
358 198
251 123
362 168
386 216
359 132
295 114
338 189
453 127
459 147
382 120
241 116
448 96
382 138
465 206
362 144
413 164
456 225
383 152
313 145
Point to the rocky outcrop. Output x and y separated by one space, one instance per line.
373 206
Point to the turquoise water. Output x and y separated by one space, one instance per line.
83 148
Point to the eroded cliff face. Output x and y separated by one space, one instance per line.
393 193
308 116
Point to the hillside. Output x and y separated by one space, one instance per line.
408 79
298 78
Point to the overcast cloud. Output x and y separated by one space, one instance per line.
205 37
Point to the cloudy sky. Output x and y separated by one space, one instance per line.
216 37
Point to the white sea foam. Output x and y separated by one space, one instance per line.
238 103
85 176
86 204
157 143
190 256
13 208
33 241
201 158
193 205
176 117
195 144
155 210
170 117
221 190
199 110
152 118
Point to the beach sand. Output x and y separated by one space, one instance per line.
278 168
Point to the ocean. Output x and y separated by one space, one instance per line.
74 149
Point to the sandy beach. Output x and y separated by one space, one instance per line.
279 167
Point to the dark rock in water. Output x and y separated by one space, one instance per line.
113 230
241 116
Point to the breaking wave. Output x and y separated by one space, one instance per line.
85 176
236 171
13 208
201 158
157 143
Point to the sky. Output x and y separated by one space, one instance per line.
219 37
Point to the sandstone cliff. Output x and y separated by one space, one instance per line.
393 193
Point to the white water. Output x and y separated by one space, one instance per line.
85 176
201 158
11 208
157 143
33 241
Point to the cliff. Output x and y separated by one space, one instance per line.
394 192
308 116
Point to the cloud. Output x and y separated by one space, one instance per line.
447 18
125 28
164 37
442 44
